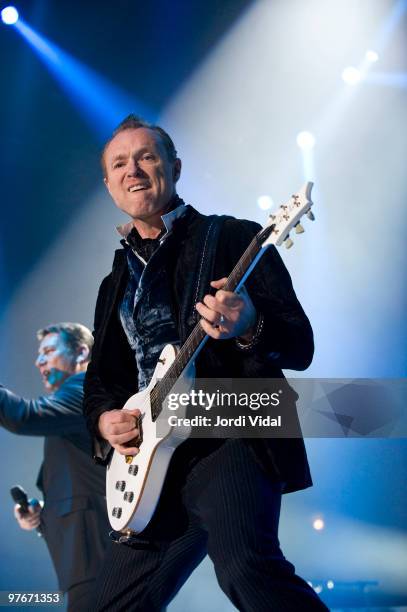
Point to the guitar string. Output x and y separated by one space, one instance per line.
162 388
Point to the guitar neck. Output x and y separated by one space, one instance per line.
197 338
275 232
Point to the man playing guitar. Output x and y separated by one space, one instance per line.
220 497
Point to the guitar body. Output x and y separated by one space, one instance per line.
134 484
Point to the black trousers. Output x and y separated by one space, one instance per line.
80 597
219 502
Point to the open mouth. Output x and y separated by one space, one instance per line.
45 375
133 188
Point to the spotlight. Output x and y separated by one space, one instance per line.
305 140
351 75
264 202
318 524
318 589
371 56
9 15
330 584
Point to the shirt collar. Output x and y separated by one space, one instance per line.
168 219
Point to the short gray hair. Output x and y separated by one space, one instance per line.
133 122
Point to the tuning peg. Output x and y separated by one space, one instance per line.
288 243
310 215
298 228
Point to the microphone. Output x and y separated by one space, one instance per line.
20 497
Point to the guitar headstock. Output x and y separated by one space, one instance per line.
288 215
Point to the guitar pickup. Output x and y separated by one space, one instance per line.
136 442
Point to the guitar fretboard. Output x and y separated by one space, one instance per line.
197 337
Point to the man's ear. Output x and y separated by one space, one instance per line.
106 182
83 354
177 170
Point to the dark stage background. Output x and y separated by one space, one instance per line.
234 82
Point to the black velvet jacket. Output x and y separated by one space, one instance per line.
112 375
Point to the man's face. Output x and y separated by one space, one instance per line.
55 361
139 176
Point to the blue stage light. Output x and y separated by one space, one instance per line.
351 75
372 56
264 202
101 103
318 524
9 15
305 140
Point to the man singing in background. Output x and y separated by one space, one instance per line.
73 518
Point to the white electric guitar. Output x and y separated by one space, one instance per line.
134 483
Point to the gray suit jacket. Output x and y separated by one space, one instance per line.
74 521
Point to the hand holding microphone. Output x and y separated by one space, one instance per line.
27 512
